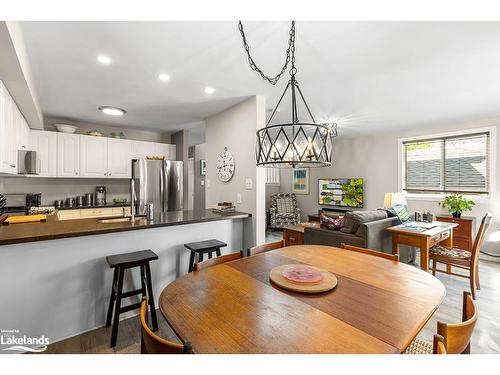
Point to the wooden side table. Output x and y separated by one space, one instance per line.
462 235
294 234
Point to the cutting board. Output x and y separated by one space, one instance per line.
25 219
329 281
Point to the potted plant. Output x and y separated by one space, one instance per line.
456 204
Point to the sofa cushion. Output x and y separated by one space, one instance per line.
352 220
332 223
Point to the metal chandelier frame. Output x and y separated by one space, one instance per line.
294 144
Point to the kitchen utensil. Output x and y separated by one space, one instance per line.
24 219
89 199
58 203
80 201
100 195
65 128
150 211
70 202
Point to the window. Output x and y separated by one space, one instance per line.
273 176
458 163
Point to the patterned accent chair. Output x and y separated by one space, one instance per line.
284 210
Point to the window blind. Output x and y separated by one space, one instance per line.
448 164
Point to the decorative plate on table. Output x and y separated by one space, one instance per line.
303 278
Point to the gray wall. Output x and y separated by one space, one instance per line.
375 158
235 129
199 180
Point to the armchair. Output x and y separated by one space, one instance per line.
284 210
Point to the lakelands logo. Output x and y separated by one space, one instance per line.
11 340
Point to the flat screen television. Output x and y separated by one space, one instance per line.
341 192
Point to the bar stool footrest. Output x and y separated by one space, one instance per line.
133 306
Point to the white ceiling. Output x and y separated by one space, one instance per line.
367 76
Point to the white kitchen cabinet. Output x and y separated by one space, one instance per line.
8 141
141 149
45 145
119 158
68 155
93 156
22 132
165 150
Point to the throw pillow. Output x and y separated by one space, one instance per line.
332 223
402 212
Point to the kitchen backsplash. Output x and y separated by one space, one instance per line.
61 188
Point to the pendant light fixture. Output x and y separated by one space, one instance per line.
296 143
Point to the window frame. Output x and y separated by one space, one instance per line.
438 196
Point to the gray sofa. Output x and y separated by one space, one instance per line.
368 230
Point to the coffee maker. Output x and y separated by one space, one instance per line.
100 195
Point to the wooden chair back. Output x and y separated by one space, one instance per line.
478 242
456 337
438 345
266 247
375 253
218 260
153 344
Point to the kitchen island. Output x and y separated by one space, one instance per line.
54 277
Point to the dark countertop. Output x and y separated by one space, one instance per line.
54 228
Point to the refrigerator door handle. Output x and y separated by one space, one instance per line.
162 191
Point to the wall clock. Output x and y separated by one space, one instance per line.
225 166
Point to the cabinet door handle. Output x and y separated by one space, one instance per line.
76 173
109 174
12 165
105 174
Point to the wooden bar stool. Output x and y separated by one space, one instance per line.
120 263
203 247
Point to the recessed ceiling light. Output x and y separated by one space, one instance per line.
104 59
112 111
164 77
209 90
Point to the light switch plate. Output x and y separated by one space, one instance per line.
248 184
202 183
238 198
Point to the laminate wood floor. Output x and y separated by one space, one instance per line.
486 338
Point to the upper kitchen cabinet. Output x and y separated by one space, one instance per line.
165 150
8 131
119 158
68 155
141 150
45 145
22 132
93 156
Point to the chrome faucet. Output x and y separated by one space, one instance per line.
132 200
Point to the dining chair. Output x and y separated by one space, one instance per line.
376 253
265 247
218 260
153 344
450 338
463 259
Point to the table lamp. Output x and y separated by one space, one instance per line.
391 199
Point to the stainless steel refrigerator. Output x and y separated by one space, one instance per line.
158 182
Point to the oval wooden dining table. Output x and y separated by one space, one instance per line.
378 305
